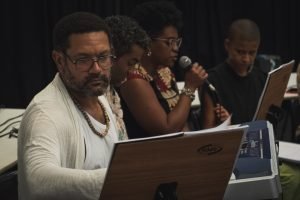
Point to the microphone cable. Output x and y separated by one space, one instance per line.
14 130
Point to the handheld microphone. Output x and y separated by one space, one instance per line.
186 63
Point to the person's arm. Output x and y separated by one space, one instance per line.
46 168
211 115
146 109
221 113
208 115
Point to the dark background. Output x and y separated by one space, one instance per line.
26 32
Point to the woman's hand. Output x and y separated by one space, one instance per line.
221 113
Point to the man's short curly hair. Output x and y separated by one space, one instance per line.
126 32
154 16
79 22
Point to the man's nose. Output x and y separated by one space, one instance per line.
246 58
96 67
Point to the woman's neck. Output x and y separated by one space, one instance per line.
149 66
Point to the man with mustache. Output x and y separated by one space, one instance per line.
68 130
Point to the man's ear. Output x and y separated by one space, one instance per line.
226 44
58 59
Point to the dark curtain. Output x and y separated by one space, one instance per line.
27 67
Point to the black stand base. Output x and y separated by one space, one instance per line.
274 115
166 191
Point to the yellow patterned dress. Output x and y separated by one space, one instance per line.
165 88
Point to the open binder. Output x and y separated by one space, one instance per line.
273 92
194 165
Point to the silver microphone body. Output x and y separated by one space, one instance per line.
186 63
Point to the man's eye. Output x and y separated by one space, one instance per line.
132 63
102 58
83 60
170 41
241 52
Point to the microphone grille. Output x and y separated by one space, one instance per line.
184 61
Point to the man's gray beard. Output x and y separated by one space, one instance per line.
84 91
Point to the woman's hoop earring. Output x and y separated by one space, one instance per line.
149 53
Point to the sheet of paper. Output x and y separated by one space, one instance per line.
289 151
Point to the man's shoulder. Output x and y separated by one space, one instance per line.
219 67
40 106
49 102
218 70
256 71
138 72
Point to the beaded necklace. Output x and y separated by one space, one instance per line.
86 117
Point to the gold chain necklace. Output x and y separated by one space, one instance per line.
86 117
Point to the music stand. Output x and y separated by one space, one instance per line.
273 93
184 166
